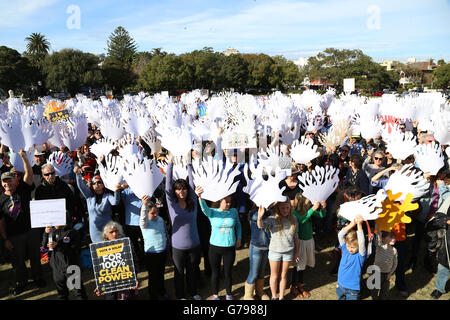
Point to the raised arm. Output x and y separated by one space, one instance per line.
143 219
81 185
360 235
28 175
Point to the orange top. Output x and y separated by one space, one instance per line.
400 231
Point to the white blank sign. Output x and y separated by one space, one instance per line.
48 213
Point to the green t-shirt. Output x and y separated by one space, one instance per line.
305 228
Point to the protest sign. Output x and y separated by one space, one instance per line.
113 265
45 213
59 115
236 140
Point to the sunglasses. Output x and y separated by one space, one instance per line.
346 151
49 174
97 182
378 158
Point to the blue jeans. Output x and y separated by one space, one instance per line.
258 262
443 274
346 294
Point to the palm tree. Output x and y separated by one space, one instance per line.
37 47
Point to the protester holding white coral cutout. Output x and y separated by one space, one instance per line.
182 205
226 236
99 204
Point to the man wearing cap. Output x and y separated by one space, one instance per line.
15 226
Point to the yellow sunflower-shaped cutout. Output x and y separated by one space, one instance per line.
395 212
53 106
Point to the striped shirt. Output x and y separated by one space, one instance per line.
386 257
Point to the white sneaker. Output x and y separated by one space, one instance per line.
197 297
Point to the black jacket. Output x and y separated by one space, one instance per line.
59 190
67 250
440 221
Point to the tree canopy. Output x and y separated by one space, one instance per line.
15 70
122 47
70 69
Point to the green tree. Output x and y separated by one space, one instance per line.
288 74
37 48
234 72
15 71
162 74
122 47
116 76
335 65
441 77
260 70
70 69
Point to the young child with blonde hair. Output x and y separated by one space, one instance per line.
283 246
353 247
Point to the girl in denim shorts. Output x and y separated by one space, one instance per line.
284 243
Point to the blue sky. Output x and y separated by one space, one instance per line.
383 29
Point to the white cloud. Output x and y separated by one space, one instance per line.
16 13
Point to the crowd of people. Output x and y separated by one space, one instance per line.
176 225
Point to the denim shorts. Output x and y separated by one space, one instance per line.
287 256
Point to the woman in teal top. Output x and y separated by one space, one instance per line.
304 210
225 238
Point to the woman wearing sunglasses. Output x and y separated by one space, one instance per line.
98 202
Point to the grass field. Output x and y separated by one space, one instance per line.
319 281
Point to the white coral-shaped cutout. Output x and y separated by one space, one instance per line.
304 151
11 132
289 136
407 180
319 184
368 207
36 131
370 128
177 140
274 158
75 133
264 192
429 157
151 139
103 146
216 180
137 123
111 127
62 163
401 145
142 175
111 172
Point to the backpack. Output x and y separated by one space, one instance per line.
434 238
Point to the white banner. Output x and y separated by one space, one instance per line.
46 213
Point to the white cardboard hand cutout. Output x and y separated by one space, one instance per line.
76 132
216 180
111 173
62 163
102 147
318 185
264 192
142 175
429 157
368 207
401 145
407 180
304 151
